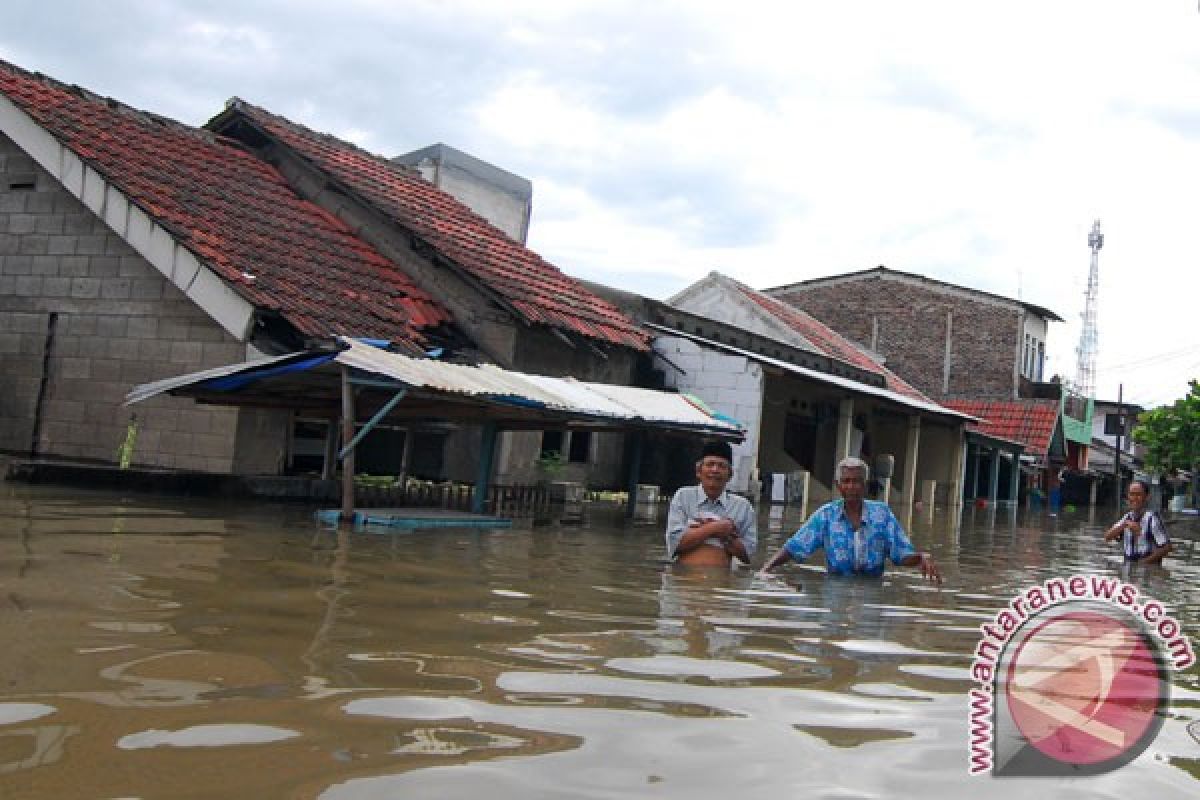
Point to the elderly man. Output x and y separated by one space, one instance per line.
857 535
708 526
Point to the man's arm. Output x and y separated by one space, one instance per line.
781 555
683 536
904 554
1117 530
929 568
1162 542
695 535
743 544
1156 555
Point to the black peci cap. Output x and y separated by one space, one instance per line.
719 449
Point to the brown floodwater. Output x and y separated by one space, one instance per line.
157 647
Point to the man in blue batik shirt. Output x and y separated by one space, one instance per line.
857 535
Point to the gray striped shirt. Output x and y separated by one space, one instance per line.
691 503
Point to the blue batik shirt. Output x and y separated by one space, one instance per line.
847 551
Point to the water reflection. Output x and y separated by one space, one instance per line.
150 641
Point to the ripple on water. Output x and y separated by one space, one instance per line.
219 735
11 713
880 647
687 667
498 619
937 671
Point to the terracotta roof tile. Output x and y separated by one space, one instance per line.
236 214
533 287
1030 422
828 341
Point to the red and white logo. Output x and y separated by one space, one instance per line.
1085 687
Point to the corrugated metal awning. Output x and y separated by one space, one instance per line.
446 391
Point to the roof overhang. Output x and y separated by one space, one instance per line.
310 382
820 377
139 229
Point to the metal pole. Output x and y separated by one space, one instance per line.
348 460
1117 451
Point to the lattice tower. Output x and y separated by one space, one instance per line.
1085 366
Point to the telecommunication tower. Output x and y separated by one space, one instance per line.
1085 367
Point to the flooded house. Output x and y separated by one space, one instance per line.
134 247
806 395
972 351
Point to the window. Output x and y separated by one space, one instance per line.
574 446
581 447
552 441
1041 361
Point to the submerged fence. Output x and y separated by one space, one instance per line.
509 500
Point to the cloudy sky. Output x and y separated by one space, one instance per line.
966 141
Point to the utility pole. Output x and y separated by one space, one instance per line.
1117 452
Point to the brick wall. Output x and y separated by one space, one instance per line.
910 326
83 319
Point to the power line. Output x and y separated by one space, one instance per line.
1156 358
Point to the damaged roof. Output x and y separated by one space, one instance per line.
533 289
236 214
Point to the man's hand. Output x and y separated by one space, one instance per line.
928 567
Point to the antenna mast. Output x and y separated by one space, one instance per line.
1085 368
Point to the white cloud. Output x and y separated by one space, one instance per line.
970 142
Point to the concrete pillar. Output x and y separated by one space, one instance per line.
845 424
994 489
329 463
958 467
973 490
911 452
885 465
1014 480
802 479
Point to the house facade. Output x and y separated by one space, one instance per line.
947 340
962 347
133 247
807 396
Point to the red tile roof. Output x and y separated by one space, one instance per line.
828 341
236 214
1030 422
535 289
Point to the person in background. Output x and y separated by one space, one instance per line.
857 535
707 525
1143 536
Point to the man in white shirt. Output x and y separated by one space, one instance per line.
707 525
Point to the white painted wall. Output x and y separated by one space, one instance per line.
730 384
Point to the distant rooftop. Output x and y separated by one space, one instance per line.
882 271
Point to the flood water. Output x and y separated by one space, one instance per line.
157 647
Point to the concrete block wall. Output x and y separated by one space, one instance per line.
909 323
83 313
730 384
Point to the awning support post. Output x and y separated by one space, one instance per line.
347 517
487 453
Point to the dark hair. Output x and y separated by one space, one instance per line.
1140 482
